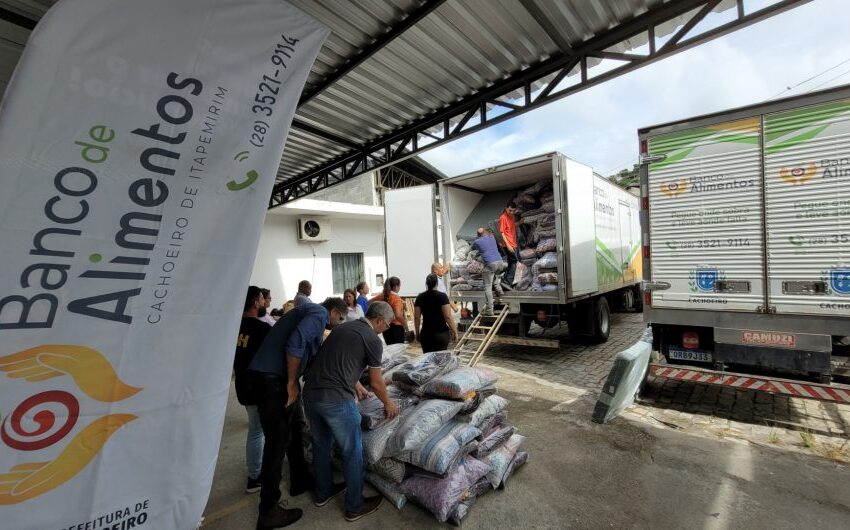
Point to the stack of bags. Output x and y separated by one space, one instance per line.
450 443
537 268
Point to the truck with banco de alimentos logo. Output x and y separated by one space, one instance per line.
745 218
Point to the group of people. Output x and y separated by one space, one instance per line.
326 347
500 256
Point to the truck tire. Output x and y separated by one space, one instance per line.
601 319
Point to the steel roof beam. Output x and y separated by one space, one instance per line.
17 19
412 18
379 153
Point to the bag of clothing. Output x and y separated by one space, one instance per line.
492 405
496 420
372 412
547 277
547 245
461 249
548 261
473 403
500 459
461 383
425 368
375 441
520 458
493 440
549 287
389 468
441 495
475 267
536 189
419 423
527 253
443 448
390 491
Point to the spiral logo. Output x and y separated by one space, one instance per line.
34 424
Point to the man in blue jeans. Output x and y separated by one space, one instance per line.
494 266
329 400
252 332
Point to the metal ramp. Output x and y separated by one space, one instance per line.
478 336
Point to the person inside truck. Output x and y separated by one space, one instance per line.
508 241
494 266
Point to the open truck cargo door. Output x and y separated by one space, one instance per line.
706 194
410 229
807 176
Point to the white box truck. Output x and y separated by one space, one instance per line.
597 237
746 233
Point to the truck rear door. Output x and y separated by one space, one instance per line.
807 174
410 232
705 212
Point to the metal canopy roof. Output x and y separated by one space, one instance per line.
396 77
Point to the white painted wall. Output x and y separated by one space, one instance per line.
282 261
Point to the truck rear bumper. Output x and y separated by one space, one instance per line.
811 324
772 385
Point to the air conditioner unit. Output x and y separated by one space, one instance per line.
314 229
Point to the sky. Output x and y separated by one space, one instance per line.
598 126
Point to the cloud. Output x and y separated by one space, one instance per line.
599 126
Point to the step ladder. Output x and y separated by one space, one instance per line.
478 336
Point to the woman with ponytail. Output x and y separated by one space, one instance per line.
398 327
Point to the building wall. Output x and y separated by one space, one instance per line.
282 261
359 190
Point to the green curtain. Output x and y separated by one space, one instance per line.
347 269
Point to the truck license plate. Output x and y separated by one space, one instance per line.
682 354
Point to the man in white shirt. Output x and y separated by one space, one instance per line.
264 309
305 289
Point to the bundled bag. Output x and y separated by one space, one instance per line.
549 287
491 406
546 245
386 488
419 423
441 496
389 468
500 459
443 449
461 383
461 249
547 277
525 200
527 253
475 267
427 367
375 441
373 413
473 403
520 458
496 420
548 261
493 440
536 189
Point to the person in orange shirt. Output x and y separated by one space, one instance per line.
508 242
398 327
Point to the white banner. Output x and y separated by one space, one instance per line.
139 141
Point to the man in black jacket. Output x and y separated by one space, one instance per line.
252 331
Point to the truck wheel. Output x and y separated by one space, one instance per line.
601 319
638 299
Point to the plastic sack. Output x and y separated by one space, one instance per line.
474 402
389 468
496 420
493 440
520 271
461 249
546 233
419 423
475 267
527 253
548 261
372 412
441 496
491 406
461 383
463 508
520 458
549 287
425 368
386 488
546 245
375 441
443 449
500 459
535 189
547 278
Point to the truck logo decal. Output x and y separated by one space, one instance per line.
798 175
767 338
674 189
703 279
839 280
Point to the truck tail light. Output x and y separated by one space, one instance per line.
647 299
643 147
645 251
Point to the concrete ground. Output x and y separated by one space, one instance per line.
666 463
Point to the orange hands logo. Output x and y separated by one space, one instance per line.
26 481
798 175
90 370
96 378
676 188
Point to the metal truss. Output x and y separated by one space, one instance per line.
556 77
392 178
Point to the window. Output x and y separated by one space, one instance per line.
347 270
